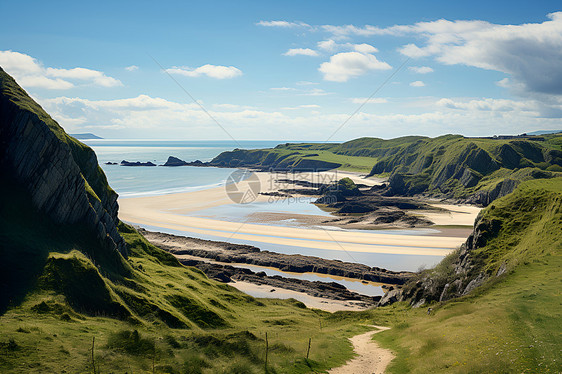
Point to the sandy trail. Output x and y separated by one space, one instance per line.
371 357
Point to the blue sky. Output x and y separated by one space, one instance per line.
289 70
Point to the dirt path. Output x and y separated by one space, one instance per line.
371 359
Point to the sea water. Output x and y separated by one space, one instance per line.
133 181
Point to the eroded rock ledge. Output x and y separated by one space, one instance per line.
246 254
325 290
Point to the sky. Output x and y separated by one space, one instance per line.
291 70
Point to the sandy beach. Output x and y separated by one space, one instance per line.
170 212
310 301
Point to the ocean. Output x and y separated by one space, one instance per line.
149 181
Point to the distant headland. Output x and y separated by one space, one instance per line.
85 136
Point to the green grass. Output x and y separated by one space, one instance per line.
167 311
513 322
511 326
348 163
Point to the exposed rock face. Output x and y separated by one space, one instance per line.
460 278
60 174
174 161
501 189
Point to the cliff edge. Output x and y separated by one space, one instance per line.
60 175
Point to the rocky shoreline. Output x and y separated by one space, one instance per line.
324 290
195 252
246 254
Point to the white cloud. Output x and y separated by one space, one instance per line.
330 45
365 48
283 89
132 68
41 81
154 117
327 45
284 24
346 65
374 100
212 71
232 106
305 83
305 106
301 91
493 105
31 73
315 92
417 84
97 77
531 53
301 52
421 69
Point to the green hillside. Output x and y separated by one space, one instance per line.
512 323
478 170
161 314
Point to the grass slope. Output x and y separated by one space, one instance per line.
161 314
512 323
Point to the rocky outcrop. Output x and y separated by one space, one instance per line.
137 163
501 189
450 280
174 161
60 174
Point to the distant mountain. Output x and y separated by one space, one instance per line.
544 132
85 136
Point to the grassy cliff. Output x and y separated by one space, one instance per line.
512 322
163 315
